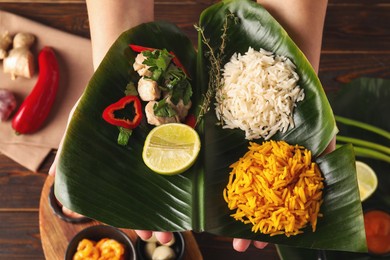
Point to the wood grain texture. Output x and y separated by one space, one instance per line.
19 235
355 44
56 233
357 28
349 25
213 247
17 185
336 69
70 17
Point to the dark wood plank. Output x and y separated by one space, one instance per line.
213 247
19 236
359 2
357 28
349 26
20 188
337 69
355 44
70 17
184 16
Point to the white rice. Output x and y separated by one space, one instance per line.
258 94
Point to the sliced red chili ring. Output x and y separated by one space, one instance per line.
109 112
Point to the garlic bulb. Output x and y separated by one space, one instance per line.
163 253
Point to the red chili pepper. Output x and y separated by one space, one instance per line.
175 60
138 48
191 120
36 107
109 116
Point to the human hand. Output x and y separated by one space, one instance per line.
53 167
241 245
162 237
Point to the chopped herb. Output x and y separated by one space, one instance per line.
158 61
177 85
124 135
131 89
163 109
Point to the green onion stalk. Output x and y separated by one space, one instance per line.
365 148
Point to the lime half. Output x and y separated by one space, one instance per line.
367 180
171 148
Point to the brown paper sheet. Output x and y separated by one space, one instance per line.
74 55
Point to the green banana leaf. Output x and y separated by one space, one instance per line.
110 183
105 181
364 100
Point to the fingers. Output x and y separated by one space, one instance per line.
52 170
144 234
331 146
259 244
53 167
162 237
241 245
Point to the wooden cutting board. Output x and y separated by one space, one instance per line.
56 233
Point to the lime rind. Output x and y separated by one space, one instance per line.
168 143
367 180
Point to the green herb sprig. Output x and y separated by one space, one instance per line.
158 62
215 58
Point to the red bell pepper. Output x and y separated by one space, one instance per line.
175 60
36 107
109 116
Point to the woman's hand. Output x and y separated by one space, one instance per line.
162 237
241 245
110 18
294 16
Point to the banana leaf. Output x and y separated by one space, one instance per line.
110 183
364 100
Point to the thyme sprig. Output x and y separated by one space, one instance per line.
215 58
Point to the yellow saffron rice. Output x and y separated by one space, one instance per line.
276 188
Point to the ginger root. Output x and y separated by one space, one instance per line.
20 60
23 40
5 43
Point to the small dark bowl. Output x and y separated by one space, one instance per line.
57 210
178 247
97 233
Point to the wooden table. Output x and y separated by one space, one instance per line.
356 43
